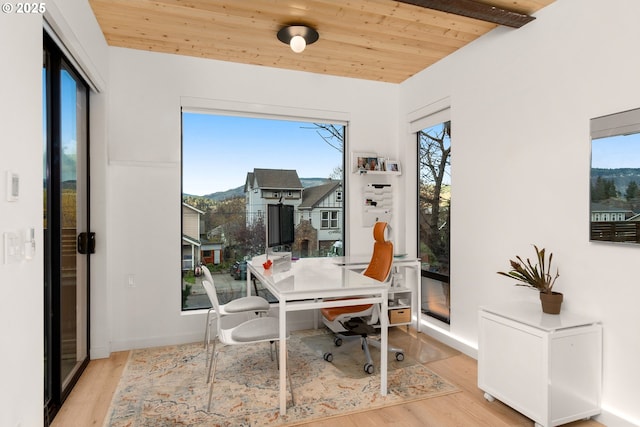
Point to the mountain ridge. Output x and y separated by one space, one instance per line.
239 191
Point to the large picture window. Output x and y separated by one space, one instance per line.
233 168
434 214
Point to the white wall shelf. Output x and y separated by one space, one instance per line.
374 164
377 203
400 306
366 172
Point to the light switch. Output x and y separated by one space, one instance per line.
12 248
29 243
13 186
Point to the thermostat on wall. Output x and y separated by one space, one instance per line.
13 186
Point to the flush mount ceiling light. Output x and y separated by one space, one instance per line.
298 36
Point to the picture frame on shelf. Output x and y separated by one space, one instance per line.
364 162
392 166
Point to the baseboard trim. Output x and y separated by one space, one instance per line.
157 341
99 353
441 334
610 419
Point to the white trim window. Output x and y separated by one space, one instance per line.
329 219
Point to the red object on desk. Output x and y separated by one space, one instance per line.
267 264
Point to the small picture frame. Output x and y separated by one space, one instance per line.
392 166
364 162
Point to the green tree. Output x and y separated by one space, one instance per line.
632 191
333 135
603 189
435 160
202 203
249 239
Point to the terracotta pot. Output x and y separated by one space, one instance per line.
551 302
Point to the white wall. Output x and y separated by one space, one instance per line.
21 294
21 298
146 93
521 101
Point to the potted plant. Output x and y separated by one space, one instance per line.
537 276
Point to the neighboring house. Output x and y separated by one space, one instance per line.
213 243
270 186
211 252
190 236
320 213
318 209
609 214
613 224
635 218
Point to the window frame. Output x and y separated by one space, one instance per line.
332 223
430 116
266 112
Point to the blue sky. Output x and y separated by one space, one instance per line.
218 151
616 152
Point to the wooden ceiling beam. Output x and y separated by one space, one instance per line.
476 10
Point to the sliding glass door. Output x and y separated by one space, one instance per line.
65 216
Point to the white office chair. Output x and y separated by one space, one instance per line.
362 321
261 329
246 304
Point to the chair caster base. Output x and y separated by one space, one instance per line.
328 357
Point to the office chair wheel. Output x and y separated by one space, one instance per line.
337 341
328 357
399 356
368 368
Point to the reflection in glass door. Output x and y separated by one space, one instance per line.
65 113
73 300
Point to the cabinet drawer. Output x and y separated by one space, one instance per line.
399 315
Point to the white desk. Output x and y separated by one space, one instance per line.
305 286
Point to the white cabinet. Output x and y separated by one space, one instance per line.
547 367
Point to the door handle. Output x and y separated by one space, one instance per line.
87 243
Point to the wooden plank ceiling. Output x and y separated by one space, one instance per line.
383 40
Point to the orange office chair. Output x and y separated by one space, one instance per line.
360 321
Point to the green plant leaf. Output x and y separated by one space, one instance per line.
537 276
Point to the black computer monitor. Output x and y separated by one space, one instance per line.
280 228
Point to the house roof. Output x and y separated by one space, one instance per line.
249 182
274 179
193 208
603 207
312 196
191 240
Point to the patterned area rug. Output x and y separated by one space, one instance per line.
167 386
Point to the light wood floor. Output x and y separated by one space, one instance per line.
89 401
